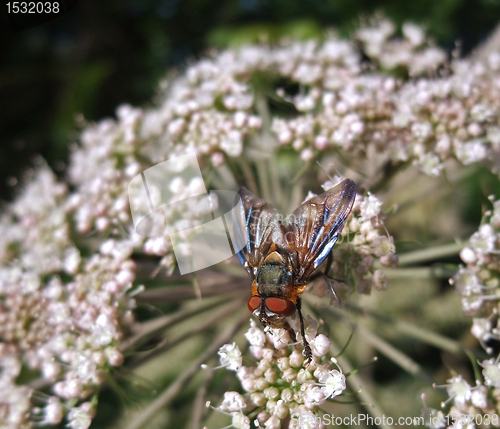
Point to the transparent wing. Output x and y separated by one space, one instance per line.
312 230
254 224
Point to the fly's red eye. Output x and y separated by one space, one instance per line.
281 306
253 303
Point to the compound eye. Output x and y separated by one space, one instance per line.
253 303
280 306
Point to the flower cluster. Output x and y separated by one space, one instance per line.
424 121
478 282
35 231
413 53
215 109
62 315
112 153
469 406
280 385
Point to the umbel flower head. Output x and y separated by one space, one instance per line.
478 285
280 385
478 282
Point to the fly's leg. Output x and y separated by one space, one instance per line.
307 347
291 332
328 264
329 280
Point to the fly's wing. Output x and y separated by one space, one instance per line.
315 226
254 225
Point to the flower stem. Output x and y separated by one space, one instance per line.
211 320
301 172
398 357
149 330
355 381
421 273
402 327
263 177
199 402
232 269
475 366
171 294
145 417
430 254
429 337
248 175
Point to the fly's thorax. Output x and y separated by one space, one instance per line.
273 278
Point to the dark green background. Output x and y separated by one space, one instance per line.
103 53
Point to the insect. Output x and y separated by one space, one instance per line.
281 255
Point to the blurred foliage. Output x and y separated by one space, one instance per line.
101 54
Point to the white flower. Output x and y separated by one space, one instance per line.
313 394
369 206
483 241
311 327
430 164
320 345
273 423
279 337
413 33
333 384
467 255
255 336
80 417
307 155
459 390
240 421
53 412
466 282
491 372
479 397
481 329
233 401
230 356
421 130
470 152
233 143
